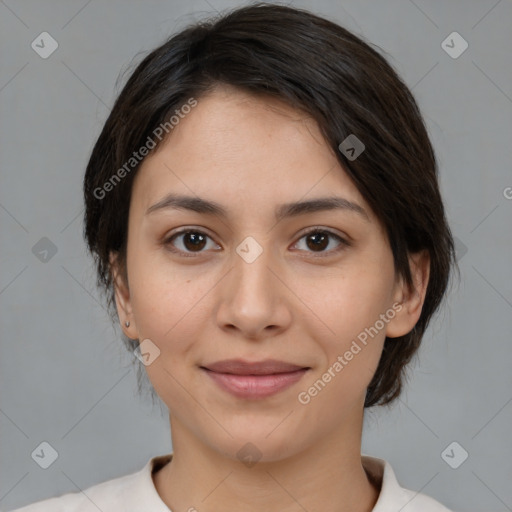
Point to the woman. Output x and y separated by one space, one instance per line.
264 212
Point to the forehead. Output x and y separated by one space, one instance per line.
227 123
235 145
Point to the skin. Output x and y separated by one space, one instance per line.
292 304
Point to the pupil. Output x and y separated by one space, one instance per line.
196 240
318 237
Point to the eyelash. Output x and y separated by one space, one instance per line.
343 243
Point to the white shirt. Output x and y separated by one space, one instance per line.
136 492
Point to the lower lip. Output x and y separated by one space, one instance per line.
255 386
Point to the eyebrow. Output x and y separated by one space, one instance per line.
200 205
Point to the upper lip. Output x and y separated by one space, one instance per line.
242 367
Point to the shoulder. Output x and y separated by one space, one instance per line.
93 498
393 496
118 494
418 502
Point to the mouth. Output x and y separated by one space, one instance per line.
242 367
254 380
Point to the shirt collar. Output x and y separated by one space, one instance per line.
143 494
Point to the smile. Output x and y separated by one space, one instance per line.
255 386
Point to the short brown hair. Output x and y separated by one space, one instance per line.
323 70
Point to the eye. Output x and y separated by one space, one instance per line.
317 239
193 241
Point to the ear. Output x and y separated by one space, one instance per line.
122 295
411 299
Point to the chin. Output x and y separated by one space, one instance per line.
257 445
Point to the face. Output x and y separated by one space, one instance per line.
206 286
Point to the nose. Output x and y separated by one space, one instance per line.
254 301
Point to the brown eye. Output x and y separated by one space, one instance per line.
193 241
317 240
188 241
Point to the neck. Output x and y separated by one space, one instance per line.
326 476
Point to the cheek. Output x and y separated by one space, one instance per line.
348 325
165 299
169 310
173 312
339 384
348 303
353 358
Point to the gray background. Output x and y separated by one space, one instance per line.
65 376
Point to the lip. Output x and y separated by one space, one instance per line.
255 386
254 380
242 367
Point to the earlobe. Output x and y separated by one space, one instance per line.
122 297
410 298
